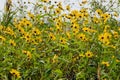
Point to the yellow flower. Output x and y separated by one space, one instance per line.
45 8
74 22
83 10
22 22
68 17
84 1
75 31
55 58
107 35
105 17
45 1
36 31
27 35
99 11
68 7
119 28
117 60
2 39
58 28
105 38
28 54
85 29
80 15
76 26
10 31
52 37
74 13
51 7
89 54
15 73
81 55
33 41
85 15
57 11
63 40
107 27
92 31
115 34
101 37
31 15
21 30
96 20
112 46
28 24
113 57
81 36
12 42
60 6
115 14
105 63
38 39
68 35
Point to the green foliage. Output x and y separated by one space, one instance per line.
52 45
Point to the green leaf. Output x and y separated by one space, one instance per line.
58 72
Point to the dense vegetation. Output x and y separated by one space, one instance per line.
53 42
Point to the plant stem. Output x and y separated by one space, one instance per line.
98 72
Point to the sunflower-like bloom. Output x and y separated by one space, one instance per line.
63 40
105 38
105 63
29 55
89 54
12 42
99 11
15 73
52 36
2 39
